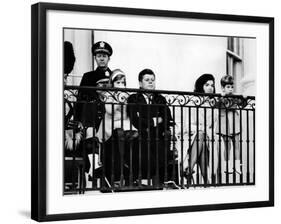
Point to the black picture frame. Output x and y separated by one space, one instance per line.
39 112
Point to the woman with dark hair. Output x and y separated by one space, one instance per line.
73 129
69 60
205 84
200 128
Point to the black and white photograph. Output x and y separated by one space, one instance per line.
157 111
144 111
140 111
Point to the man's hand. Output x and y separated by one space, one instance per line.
76 125
157 120
68 144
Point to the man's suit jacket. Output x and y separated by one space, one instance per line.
142 113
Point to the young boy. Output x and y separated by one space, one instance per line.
228 126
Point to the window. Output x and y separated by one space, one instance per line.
234 64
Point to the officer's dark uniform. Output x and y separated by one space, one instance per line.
89 109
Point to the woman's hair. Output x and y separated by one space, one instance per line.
69 57
116 75
144 72
200 82
227 80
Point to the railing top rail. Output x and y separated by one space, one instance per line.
171 92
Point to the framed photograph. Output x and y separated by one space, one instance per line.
139 111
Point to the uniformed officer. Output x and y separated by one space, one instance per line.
90 113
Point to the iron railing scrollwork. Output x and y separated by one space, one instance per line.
223 127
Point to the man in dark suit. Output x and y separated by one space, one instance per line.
90 111
150 114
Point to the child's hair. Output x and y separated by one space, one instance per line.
227 80
116 75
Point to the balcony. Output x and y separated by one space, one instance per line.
189 141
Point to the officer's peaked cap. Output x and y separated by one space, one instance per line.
102 47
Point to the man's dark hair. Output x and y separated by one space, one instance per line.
146 71
226 80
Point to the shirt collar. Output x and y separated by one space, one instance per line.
147 99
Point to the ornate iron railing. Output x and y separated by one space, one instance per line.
199 139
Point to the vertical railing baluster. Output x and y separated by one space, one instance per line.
64 149
157 148
82 169
74 169
148 147
130 164
103 182
219 153
205 176
112 148
248 149
213 175
197 145
226 144
181 168
139 149
254 146
165 145
189 151
81 189
122 115
241 146
131 157
174 146
121 149
234 147
94 150
94 183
